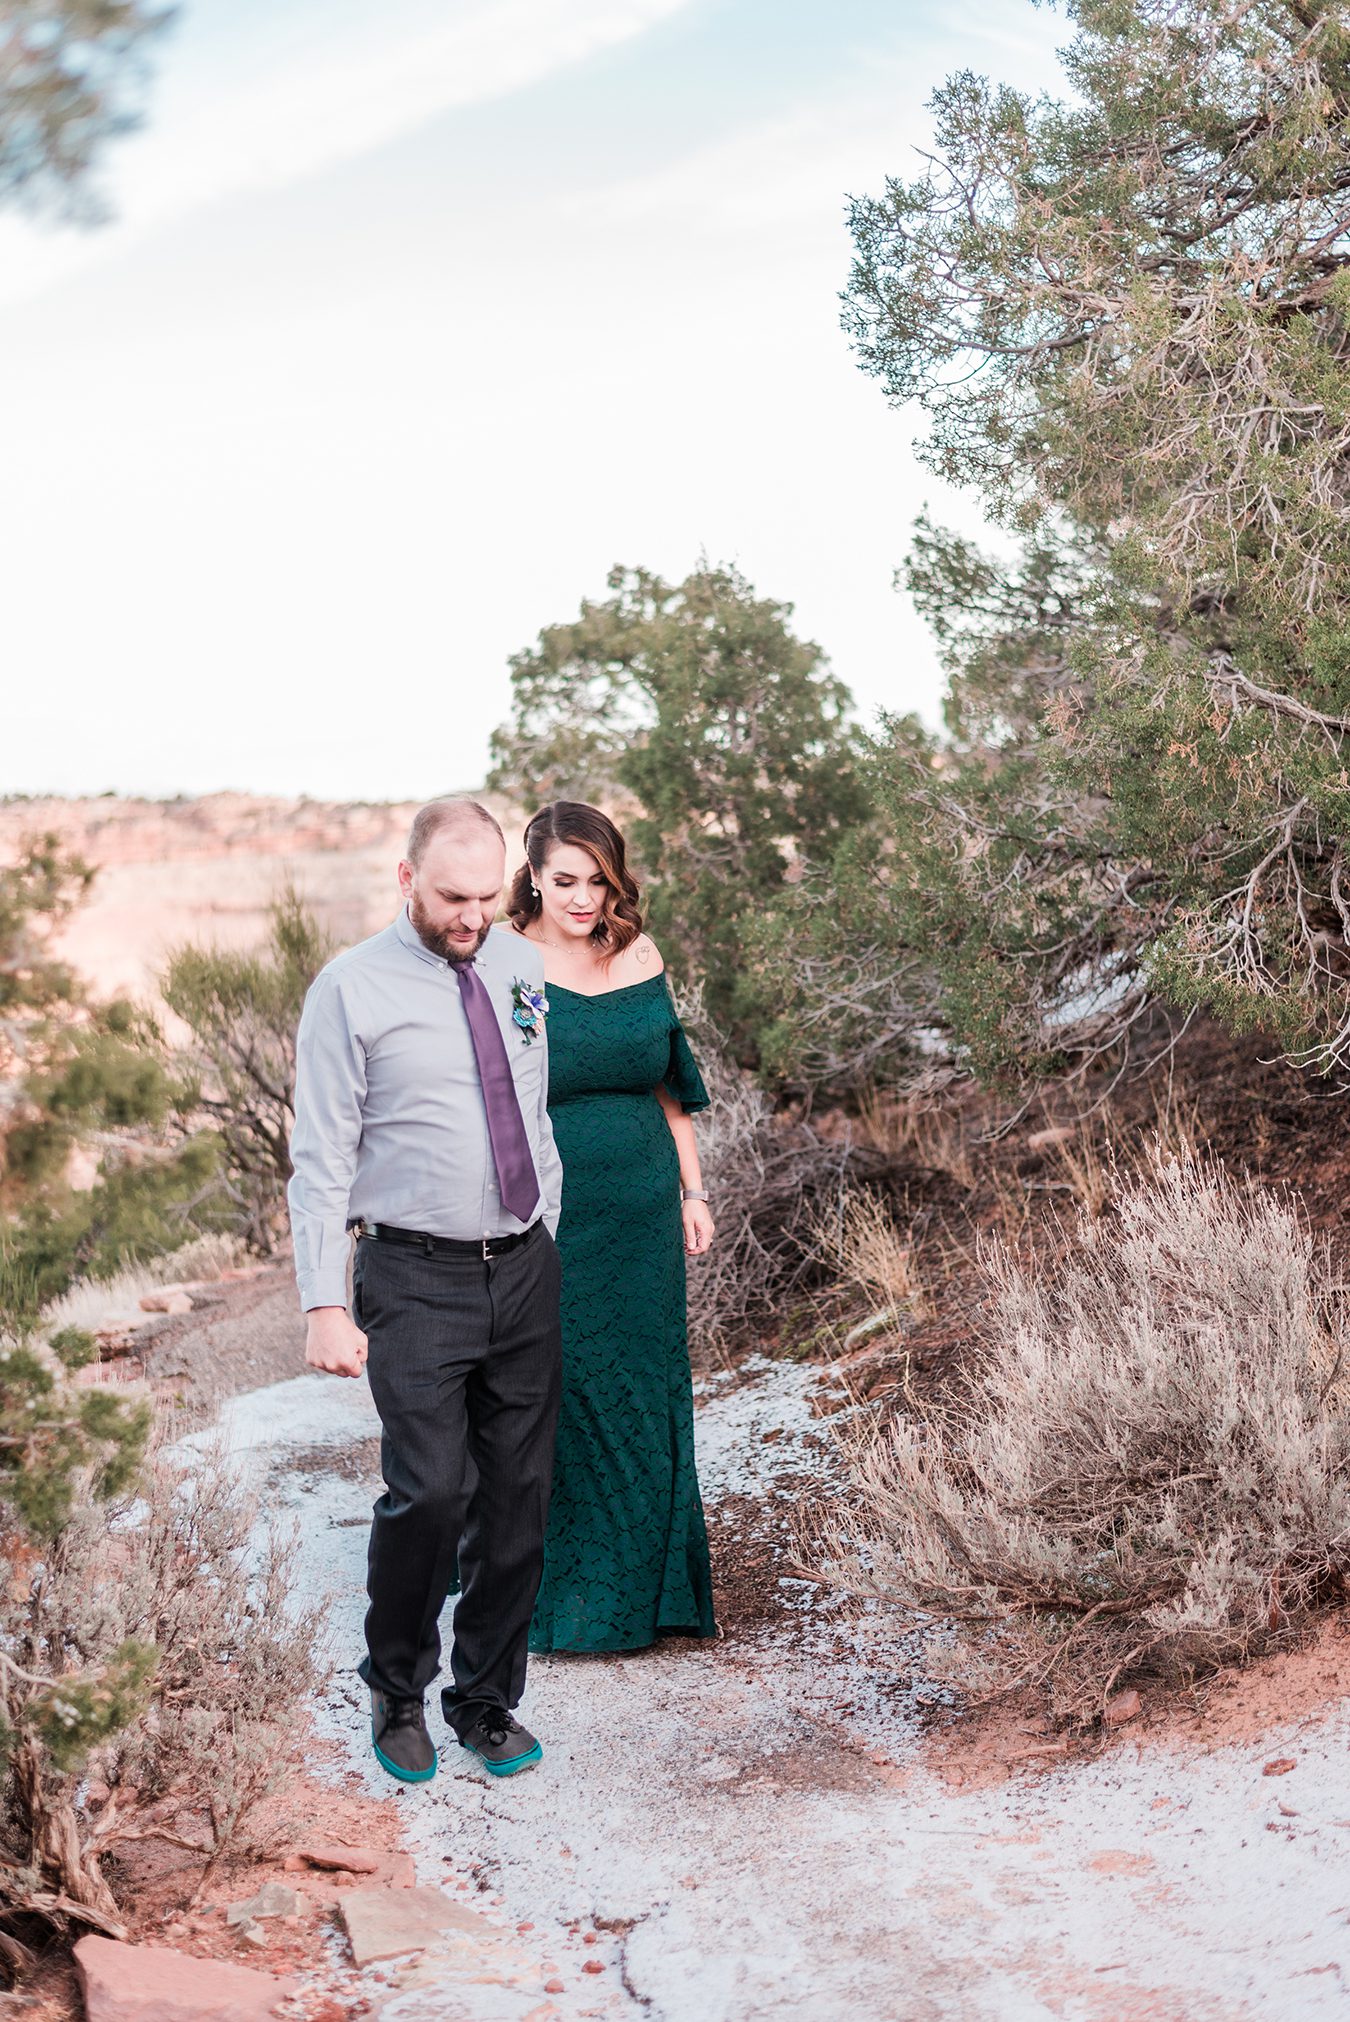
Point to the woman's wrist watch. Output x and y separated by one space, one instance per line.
692 1194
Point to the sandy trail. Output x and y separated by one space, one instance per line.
748 1831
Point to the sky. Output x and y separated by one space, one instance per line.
417 316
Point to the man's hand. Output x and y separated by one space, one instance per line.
334 1342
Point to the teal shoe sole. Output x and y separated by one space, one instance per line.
403 1775
526 1761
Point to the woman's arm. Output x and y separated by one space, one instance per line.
699 1227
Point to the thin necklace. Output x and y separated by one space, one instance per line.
557 946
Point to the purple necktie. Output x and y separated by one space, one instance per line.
516 1176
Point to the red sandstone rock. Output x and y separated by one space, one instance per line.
167 1300
356 1860
390 1870
384 1923
148 1983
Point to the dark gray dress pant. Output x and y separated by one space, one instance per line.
465 1363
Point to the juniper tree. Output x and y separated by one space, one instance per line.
77 1668
71 74
698 703
957 911
77 1071
1127 316
67 1062
242 1009
62 1448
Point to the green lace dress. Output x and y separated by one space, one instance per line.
626 1557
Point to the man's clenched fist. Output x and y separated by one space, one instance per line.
334 1342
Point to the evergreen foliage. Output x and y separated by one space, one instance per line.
1126 315
75 1073
137 1209
70 76
64 1450
243 1009
150 1637
697 702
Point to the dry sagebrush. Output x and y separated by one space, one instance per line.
771 1182
1150 1475
182 1574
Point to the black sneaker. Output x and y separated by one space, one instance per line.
398 1730
501 1744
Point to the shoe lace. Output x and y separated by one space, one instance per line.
496 1726
403 1712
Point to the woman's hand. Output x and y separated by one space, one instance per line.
699 1228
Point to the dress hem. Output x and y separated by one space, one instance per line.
612 1648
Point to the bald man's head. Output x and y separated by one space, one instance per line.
454 814
452 876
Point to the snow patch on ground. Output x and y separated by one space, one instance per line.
736 1412
745 1828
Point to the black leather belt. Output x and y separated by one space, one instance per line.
446 1246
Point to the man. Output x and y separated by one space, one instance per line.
421 1120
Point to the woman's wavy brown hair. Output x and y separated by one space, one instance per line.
572 821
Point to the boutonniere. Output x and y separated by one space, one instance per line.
531 1008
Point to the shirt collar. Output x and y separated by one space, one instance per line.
413 942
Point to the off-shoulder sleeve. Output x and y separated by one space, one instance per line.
682 1079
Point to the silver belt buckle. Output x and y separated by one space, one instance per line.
487 1253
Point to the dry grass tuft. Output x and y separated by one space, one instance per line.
922 1131
1091 1174
869 1254
111 1302
1094 1165
1153 1472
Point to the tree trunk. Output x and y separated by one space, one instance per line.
70 1871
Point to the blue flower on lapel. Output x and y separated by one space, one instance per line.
531 1008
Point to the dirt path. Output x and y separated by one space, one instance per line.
242 1335
751 1829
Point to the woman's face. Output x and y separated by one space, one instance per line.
572 890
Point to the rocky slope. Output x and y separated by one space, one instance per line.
207 870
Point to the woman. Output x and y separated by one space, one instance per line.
626 1557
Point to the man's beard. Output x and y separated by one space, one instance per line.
438 940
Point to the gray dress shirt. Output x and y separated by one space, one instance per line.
390 1123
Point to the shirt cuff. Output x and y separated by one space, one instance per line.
323 1288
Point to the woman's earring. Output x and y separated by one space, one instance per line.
534 889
